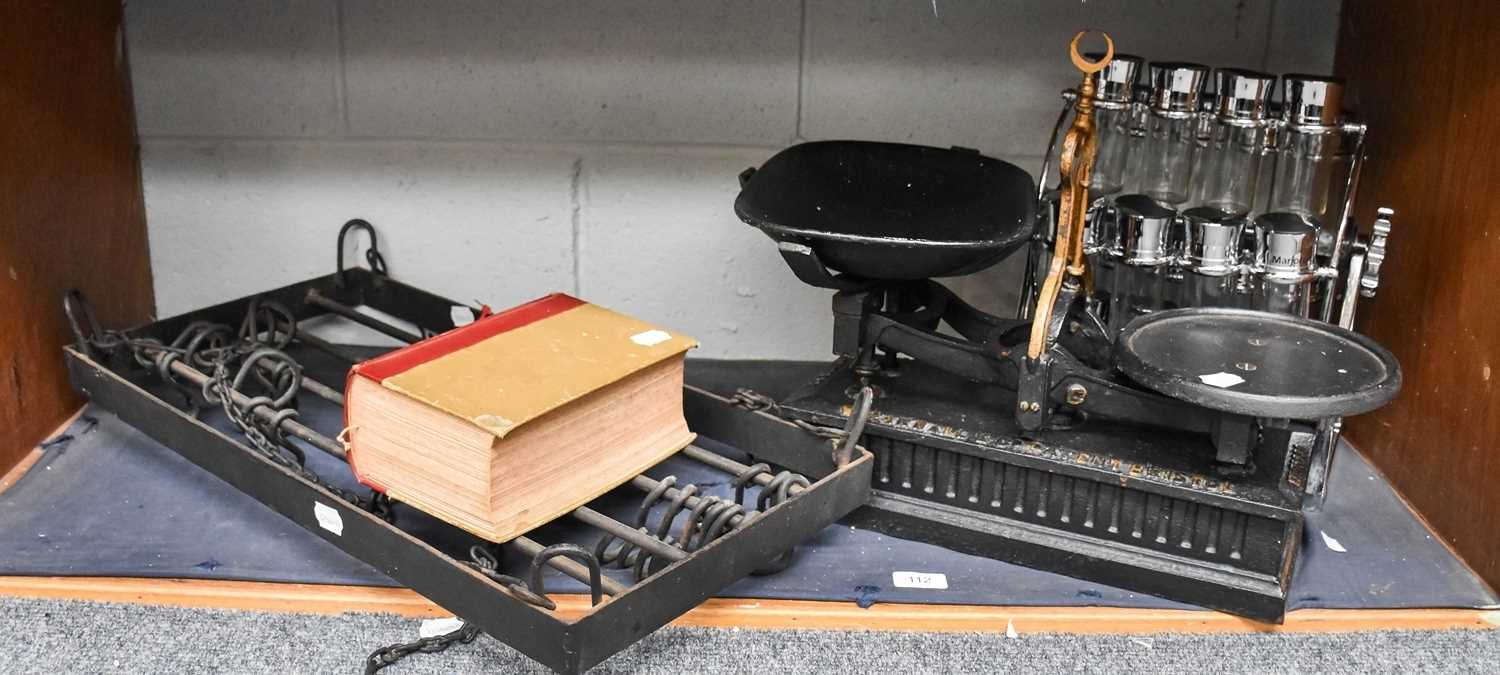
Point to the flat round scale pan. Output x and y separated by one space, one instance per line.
1259 364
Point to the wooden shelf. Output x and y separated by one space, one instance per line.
754 614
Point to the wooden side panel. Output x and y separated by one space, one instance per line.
1422 75
71 213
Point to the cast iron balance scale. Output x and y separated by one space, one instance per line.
1171 460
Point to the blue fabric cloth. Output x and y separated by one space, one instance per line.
106 500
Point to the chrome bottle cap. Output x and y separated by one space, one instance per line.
1176 87
1243 95
1310 100
1288 243
1143 225
1213 239
1101 236
1116 83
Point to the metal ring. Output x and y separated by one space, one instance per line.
642 566
248 366
164 366
576 552
273 425
250 325
690 528
770 491
722 517
651 498
616 557
272 309
664 525
256 402
201 331
743 478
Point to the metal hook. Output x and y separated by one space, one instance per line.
855 427
80 315
372 256
576 552
485 561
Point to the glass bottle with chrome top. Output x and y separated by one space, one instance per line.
1160 175
1224 189
1230 166
1287 262
1171 136
1307 147
1140 280
1211 256
1114 120
1114 92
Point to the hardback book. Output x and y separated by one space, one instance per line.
519 417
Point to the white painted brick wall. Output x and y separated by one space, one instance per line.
508 149
659 237
220 69
986 74
695 72
467 220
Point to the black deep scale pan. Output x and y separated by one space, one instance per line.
889 210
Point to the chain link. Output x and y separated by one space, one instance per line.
757 402
485 562
243 419
390 654
245 348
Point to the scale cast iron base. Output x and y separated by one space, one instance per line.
1140 509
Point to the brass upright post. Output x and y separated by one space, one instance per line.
1074 169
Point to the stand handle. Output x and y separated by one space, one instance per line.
1074 169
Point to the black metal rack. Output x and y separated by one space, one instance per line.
803 484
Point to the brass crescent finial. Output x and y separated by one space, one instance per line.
1086 65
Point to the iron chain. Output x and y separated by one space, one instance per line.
839 438
390 654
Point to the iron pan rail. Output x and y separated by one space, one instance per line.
566 646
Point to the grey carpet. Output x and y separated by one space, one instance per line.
52 636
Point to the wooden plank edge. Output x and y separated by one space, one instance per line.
754 614
14 475
31 458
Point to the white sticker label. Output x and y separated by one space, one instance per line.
1332 544
920 580
436 627
651 337
461 315
1221 379
329 518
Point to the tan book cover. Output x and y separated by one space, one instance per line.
557 393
